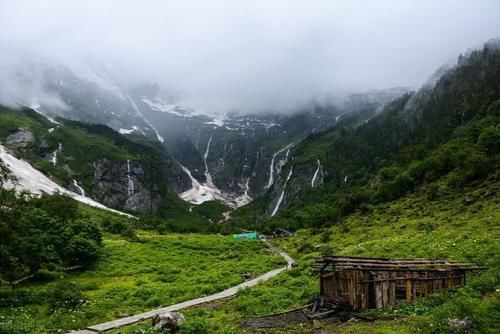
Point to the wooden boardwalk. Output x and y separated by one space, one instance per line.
106 326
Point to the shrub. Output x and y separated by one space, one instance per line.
66 295
489 139
81 251
195 326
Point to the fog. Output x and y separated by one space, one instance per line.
253 55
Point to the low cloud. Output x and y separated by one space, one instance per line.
220 56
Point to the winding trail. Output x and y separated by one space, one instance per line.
193 302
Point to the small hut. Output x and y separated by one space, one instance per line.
282 233
250 235
368 283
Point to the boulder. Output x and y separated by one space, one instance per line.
168 321
20 140
460 325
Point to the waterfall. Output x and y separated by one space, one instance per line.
271 167
280 199
80 189
54 155
205 156
130 186
315 176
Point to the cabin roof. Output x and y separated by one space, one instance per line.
330 263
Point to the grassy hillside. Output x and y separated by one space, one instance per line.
134 276
449 131
459 226
83 144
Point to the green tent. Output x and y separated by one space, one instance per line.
251 235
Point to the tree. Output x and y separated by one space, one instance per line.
489 140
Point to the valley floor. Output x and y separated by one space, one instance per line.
454 226
138 276
165 269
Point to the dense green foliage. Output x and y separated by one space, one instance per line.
135 276
459 226
43 233
419 180
82 146
446 132
450 224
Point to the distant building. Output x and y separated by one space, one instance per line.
250 235
374 283
280 232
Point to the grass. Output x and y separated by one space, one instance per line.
132 277
460 226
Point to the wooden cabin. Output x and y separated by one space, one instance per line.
369 283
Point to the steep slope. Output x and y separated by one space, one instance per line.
241 148
447 130
23 177
92 161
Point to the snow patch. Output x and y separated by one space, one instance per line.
36 107
204 192
126 131
163 106
85 73
217 122
139 113
244 199
30 179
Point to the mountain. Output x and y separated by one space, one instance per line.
91 160
443 136
232 158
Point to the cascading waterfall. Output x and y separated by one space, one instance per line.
207 191
54 155
280 199
271 167
315 176
130 186
205 156
80 189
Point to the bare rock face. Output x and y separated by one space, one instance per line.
124 185
168 321
20 140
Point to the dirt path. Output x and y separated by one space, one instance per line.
106 326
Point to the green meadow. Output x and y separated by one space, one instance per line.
134 276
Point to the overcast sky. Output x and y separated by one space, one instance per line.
251 55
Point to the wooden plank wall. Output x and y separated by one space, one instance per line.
354 285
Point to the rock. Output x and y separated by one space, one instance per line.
43 148
490 193
171 321
20 140
460 325
123 185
